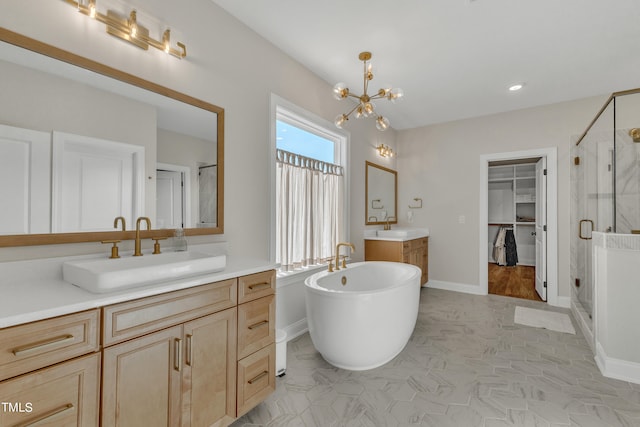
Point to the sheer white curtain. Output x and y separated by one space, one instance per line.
309 210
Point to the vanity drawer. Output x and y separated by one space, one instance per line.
256 286
256 378
134 318
63 395
32 346
256 325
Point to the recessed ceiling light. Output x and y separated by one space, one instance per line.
516 87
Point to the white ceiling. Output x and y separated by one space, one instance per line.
455 58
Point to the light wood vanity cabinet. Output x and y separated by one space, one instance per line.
201 356
42 380
173 359
415 252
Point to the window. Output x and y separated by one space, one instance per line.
310 193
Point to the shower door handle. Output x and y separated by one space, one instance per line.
580 229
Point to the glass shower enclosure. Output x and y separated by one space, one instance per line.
605 186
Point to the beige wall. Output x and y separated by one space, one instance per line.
441 165
228 65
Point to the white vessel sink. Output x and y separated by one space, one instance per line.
400 233
108 275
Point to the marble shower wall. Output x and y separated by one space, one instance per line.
627 173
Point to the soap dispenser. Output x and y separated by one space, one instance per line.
179 240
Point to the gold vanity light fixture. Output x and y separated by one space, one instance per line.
365 107
385 151
128 29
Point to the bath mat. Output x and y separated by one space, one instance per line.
551 320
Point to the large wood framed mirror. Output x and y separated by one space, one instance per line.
82 143
381 195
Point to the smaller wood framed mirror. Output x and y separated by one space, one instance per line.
381 195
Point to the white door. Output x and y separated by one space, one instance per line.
169 207
94 181
25 181
541 228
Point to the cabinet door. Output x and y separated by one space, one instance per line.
141 381
209 383
66 394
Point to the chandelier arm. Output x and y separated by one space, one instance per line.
353 95
352 110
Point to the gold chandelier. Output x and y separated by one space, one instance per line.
365 107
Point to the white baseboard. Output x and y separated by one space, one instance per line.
616 368
457 287
564 302
296 329
581 317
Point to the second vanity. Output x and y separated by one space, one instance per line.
407 245
194 351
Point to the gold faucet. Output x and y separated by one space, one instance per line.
344 264
387 226
124 222
137 251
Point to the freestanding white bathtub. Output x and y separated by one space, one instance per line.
361 317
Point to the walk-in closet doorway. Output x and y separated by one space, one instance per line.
518 224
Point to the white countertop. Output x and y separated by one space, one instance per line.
414 233
34 290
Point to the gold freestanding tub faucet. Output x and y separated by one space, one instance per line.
344 264
137 251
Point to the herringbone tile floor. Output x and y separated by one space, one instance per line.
467 364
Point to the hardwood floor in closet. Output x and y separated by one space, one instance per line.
518 281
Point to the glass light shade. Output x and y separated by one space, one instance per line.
360 112
396 95
382 123
340 91
339 121
368 108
